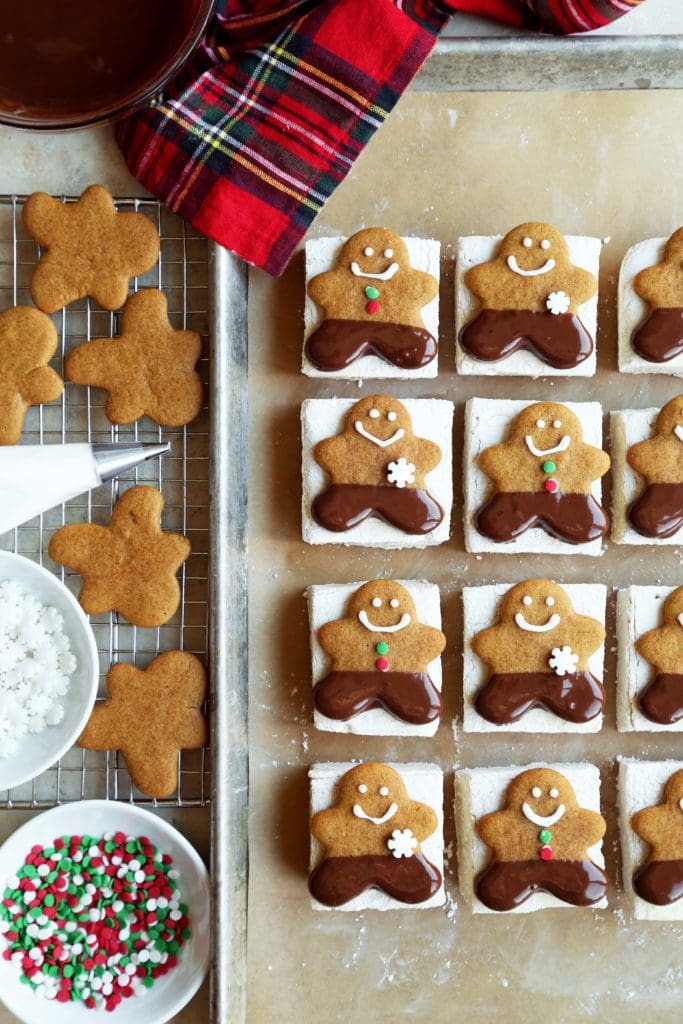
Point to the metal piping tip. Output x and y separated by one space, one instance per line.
113 459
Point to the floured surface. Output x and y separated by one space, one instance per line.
444 166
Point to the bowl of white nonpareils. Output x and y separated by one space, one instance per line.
49 670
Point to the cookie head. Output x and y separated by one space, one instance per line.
383 606
542 795
375 254
673 793
670 419
547 428
673 608
372 792
379 419
534 249
536 606
673 252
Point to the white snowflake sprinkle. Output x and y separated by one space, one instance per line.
557 302
563 660
402 843
401 472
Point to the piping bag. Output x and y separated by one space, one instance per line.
34 478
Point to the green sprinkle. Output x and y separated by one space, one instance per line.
382 647
371 292
545 835
549 467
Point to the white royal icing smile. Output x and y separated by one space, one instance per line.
541 452
386 275
396 436
538 819
365 621
360 813
553 621
516 269
678 431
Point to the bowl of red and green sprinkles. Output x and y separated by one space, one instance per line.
104 909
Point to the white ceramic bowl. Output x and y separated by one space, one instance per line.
170 992
37 752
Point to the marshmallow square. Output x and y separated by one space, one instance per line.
475 249
329 602
633 310
423 782
487 421
639 609
321 255
628 427
480 611
641 784
432 418
479 791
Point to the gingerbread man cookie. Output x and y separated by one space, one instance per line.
91 249
372 302
149 370
662 700
540 842
379 656
372 838
658 512
530 293
377 467
129 566
28 340
659 337
660 879
542 477
150 716
538 655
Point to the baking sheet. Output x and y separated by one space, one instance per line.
605 164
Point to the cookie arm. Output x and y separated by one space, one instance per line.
421 820
486 644
648 646
431 642
490 827
639 457
482 280
101 731
647 824
587 635
324 826
582 286
336 635
419 287
424 454
323 287
328 452
651 281
592 825
493 461
597 462
41 385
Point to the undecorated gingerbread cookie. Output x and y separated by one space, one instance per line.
91 249
379 656
539 657
129 566
372 838
658 511
372 302
148 371
28 340
662 699
660 879
659 338
542 477
540 843
377 467
530 294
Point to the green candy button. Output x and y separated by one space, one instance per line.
371 292
548 467
382 647
545 835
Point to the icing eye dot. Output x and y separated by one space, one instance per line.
527 243
550 601
545 244
540 424
536 792
374 414
553 793
383 791
388 253
377 602
394 602
391 416
527 600
368 251
362 788
557 424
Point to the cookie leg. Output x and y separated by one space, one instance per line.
577 697
660 336
342 506
658 512
660 882
338 343
506 697
574 518
579 882
506 516
492 335
408 879
411 697
504 885
560 340
343 695
336 880
662 700
410 509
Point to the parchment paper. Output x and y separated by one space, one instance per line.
609 165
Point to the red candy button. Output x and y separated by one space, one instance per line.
373 306
551 486
545 853
382 664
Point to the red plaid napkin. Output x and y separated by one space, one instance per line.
269 116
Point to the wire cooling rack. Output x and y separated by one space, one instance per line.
182 477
